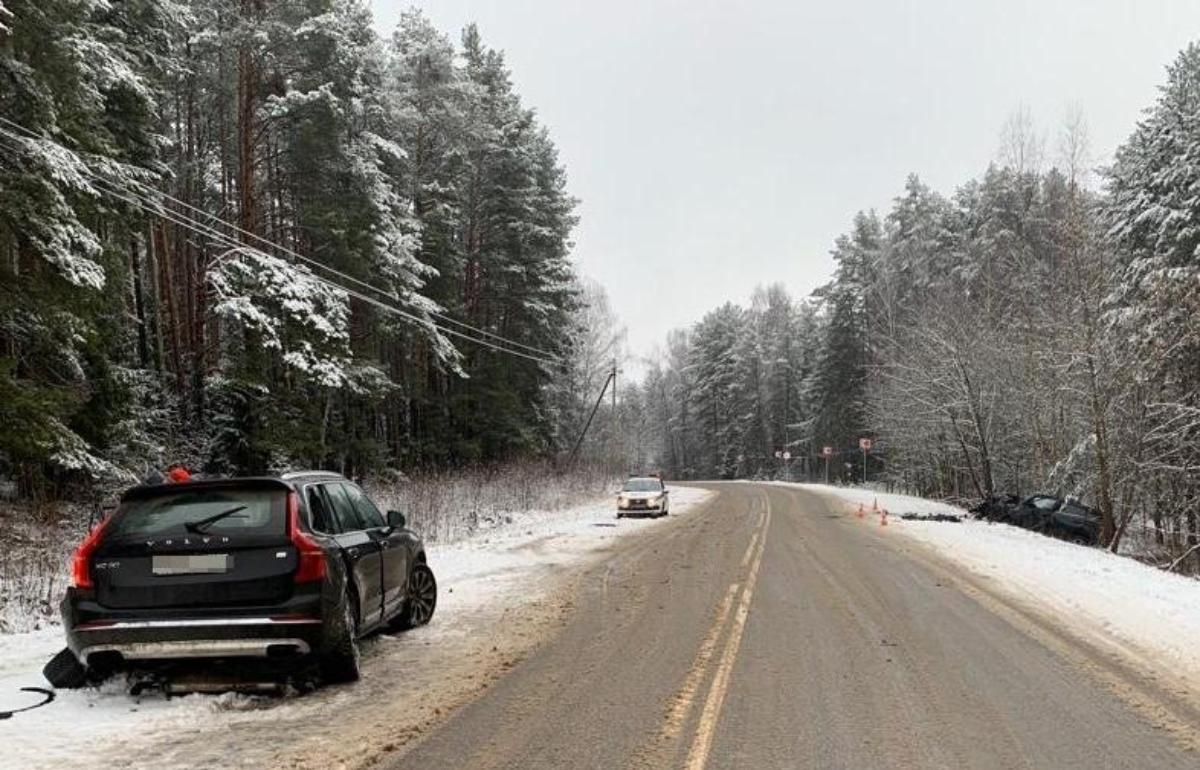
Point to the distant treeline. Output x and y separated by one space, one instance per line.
1031 332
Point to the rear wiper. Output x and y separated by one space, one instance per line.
198 526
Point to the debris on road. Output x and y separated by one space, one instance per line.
47 697
931 517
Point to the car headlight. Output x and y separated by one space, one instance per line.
622 502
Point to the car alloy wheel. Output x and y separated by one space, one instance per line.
422 596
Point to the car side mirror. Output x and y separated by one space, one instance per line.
666 491
396 519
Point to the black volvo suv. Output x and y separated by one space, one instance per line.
296 567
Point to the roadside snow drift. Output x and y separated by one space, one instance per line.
499 593
1144 612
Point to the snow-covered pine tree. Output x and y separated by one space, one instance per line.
1154 217
78 81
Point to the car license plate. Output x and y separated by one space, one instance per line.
191 564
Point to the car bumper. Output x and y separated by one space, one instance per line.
291 629
1084 530
640 510
207 638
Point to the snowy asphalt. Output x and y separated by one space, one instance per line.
774 628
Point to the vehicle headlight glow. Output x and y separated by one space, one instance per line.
622 502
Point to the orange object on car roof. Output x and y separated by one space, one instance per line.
177 474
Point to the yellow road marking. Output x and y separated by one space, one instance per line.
758 530
702 744
684 698
682 702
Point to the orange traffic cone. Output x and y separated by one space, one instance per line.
883 518
862 512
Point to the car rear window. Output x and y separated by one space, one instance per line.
264 513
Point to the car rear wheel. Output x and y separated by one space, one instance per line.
65 672
339 658
422 598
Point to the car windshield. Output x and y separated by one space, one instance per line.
643 485
258 512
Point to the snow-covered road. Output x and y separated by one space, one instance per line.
501 591
1148 616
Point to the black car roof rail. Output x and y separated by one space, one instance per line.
310 474
143 491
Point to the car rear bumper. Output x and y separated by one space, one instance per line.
291 628
259 637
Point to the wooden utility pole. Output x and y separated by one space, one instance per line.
615 438
612 378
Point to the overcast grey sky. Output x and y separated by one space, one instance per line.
716 146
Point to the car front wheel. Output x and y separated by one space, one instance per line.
422 598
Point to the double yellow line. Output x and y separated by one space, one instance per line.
686 697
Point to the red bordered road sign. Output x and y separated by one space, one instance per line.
864 444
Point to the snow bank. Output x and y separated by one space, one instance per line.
1117 600
514 565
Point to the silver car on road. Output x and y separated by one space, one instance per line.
643 496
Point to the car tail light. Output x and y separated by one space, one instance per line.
81 561
311 564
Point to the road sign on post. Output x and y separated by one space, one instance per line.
864 444
827 452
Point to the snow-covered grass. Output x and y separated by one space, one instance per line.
1131 606
496 591
35 545
447 506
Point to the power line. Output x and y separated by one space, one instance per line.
31 134
152 207
290 252
215 235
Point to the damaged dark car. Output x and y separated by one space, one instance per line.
1068 519
1076 522
288 570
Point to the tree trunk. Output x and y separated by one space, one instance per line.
247 95
139 304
